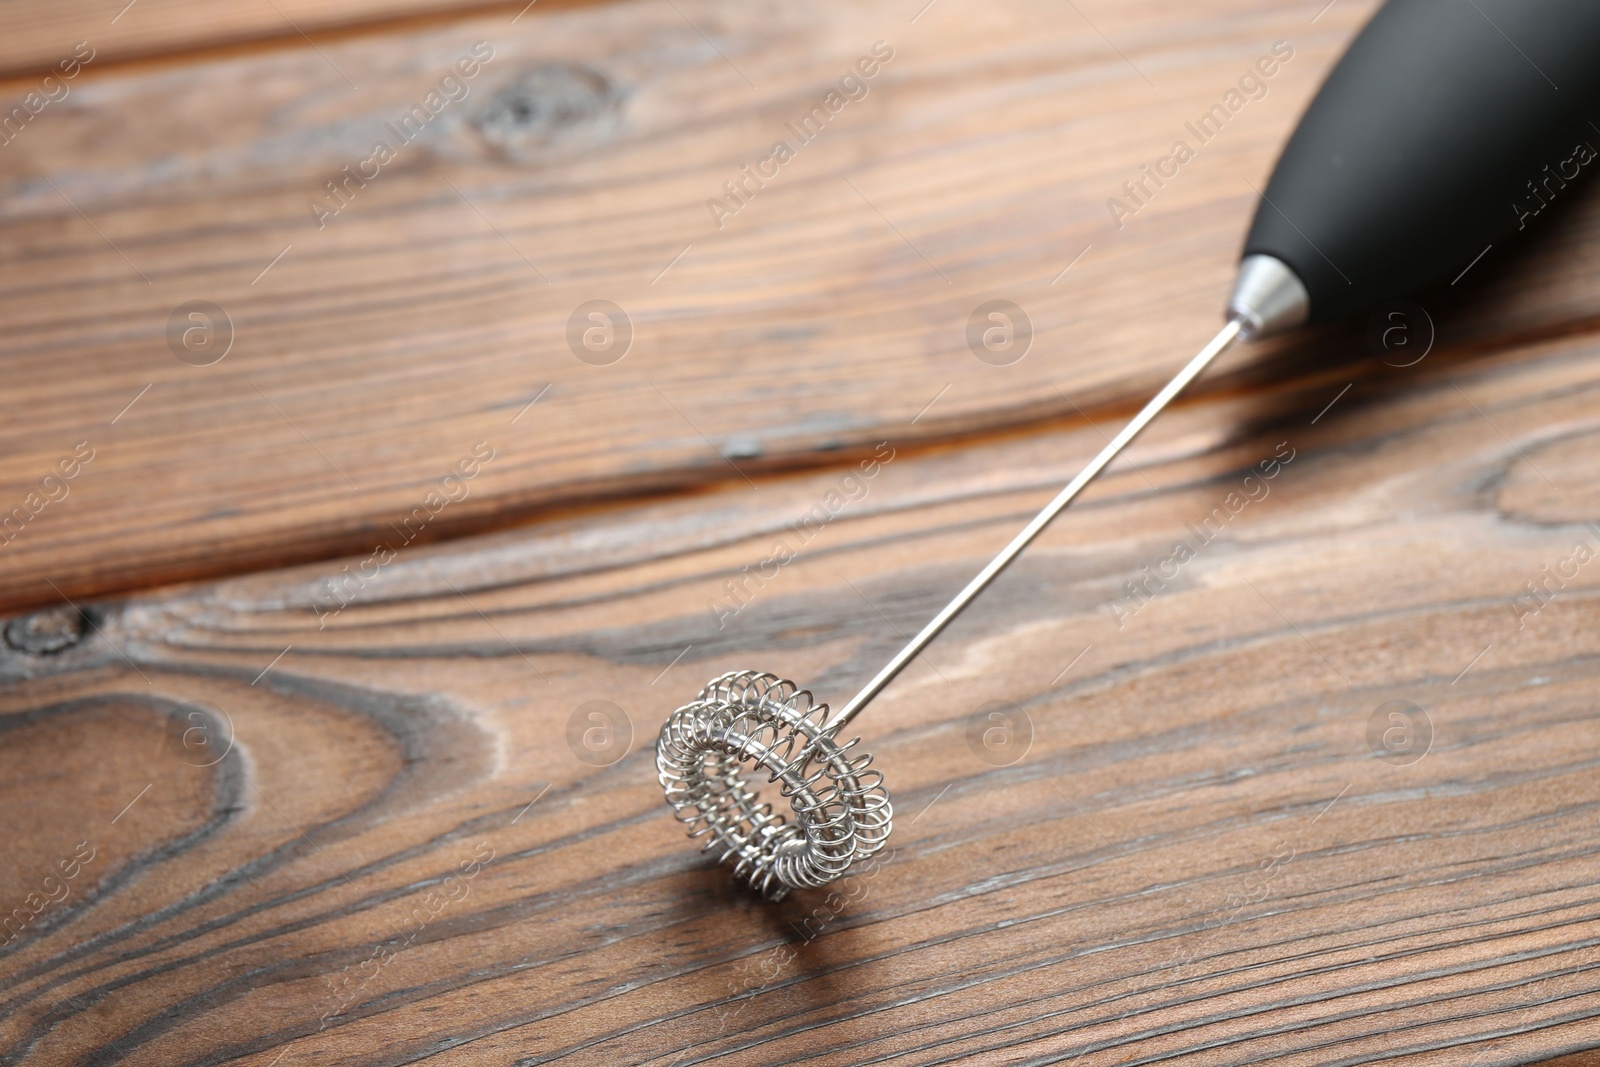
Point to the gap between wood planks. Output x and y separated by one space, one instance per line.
25 56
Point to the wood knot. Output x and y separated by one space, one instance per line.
46 632
1553 482
551 104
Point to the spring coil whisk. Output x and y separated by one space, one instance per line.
842 813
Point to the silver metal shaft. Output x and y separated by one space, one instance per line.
1191 371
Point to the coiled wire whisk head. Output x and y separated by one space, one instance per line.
841 809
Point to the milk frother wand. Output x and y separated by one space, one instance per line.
1445 129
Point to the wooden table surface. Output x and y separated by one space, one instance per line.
347 589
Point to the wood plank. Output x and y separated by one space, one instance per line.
1201 854
423 319
39 35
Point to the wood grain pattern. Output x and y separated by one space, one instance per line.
425 317
1198 856
38 35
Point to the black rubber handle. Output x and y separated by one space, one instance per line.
1448 127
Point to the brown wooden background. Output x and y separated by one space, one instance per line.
1187 848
